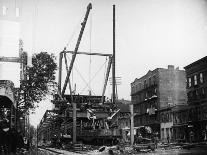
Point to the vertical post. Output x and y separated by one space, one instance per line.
74 122
131 124
37 141
81 127
60 72
11 112
113 59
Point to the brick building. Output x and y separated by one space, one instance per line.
196 73
154 95
123 120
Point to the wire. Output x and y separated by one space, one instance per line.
79 73
90 34
95 75
77 27
70 40
87 83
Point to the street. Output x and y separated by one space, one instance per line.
193 151
196 151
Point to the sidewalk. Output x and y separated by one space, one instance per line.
176 145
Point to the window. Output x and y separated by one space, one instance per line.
203 91
196 92
189 82
195 80
154 79
4 9
155 91
201 77
136 88
167 132
17 12
150 81
140 86
162 133
145 83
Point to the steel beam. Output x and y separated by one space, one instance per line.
87 53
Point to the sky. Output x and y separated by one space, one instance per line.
150 34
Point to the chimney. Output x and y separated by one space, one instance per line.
170 67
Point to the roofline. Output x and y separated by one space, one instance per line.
145 74
195 62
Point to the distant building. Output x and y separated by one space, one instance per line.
154 95
123 119
196 73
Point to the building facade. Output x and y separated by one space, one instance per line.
196 74
123 118
154 95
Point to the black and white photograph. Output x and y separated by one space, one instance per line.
103 77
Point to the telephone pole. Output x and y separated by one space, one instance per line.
113 61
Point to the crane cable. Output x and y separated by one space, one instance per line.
77 27
90 46
70 40
104 64
81 76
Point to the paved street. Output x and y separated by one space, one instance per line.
50 152
194 151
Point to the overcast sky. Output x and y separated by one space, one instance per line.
149 34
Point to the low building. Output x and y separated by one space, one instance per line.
180 123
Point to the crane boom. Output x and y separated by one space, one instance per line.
89 7
87 53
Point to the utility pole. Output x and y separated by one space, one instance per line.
131 124
113 60
60 73
37 140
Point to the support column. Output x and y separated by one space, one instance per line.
74 122
132 124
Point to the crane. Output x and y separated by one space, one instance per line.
89 7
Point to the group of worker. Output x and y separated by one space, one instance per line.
10 139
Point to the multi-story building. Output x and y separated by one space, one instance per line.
154 95
196 73
180 123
